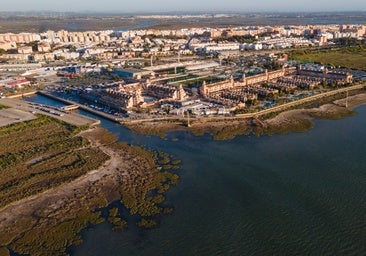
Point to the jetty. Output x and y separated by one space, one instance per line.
75 105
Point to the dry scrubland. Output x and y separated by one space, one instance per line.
54 178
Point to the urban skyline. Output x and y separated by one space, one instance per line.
181 6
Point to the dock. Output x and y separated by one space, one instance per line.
73 104
20 111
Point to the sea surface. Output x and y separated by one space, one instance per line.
294 194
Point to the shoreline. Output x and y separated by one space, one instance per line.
177 123
56 216
293 120
35 210
128 169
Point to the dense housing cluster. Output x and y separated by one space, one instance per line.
270 83
173 69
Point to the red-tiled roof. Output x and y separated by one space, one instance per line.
17 82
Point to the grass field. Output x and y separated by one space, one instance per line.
353 58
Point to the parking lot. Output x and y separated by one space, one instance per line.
12 115
19 111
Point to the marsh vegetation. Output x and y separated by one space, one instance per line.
56 179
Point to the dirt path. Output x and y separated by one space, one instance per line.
104 179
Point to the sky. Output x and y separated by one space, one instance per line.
146 6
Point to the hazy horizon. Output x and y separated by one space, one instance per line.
177 12
165 6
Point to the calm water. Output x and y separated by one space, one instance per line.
140 25
295 194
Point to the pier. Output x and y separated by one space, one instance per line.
73 105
